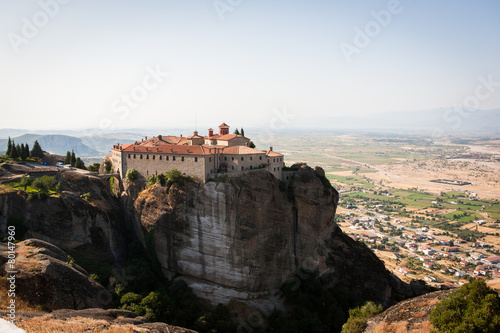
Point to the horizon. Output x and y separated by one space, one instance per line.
76 66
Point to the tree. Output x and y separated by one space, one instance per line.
73 158
79 163
9 147
94 167
37 150
27 150
19 150
251 144
359 316
132 175
13 151
26 181
23 152
242 132
236 132
474 307
67 159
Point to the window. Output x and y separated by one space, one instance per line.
278 168
140 156
166 158
128 156
210 159
160 157
182 158
147 157
251 167
260 158
232 168
274 169
242 158
251 158
242 168
232 158
173 158
225 158
196 159
154 157
134 155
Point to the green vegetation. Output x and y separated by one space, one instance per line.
86 196
359 316
94 167
132 175
174 176
37 150
473 308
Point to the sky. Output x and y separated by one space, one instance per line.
75 64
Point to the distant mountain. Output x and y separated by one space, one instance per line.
55 144
436 120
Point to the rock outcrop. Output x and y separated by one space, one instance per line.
411 315
93 320
68 220
47 277
242 237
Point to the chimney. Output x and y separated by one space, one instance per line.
195 133
146 138
181 135
210 132
159 136
270 148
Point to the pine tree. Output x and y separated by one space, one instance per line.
23 152
242 132
37 150
251 144
236 132
13 151
79 163
73 158
67 159
27 150
9 147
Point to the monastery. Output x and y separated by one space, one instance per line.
195 155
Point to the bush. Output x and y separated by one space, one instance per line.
176 176
359 316
473 308
94 167
44 185
151 180
86 196
132 175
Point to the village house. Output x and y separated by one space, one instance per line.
195 155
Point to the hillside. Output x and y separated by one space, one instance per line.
56 144
243 241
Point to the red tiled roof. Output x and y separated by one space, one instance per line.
235 150
272 153
169 149
227 137
223 125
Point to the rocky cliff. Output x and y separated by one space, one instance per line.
242 237
68 220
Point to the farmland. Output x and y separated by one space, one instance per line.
389 201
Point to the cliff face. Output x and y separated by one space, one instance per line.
242 238
69 221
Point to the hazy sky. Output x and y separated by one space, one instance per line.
71 64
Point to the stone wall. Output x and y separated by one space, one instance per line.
155 163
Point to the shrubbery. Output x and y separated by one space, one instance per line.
473 308
359 316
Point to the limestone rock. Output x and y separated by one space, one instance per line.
411 315
47 277
241 238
